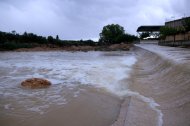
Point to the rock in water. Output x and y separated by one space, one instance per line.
35 83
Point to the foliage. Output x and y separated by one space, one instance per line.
111 33
114 33
10 41
127 38
57 37
14 45
78 43
50 39
144 35
186 24
165 31
31 38
181 30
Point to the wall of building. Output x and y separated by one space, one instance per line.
178 37
149 41
176 23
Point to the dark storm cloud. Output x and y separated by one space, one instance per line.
83 19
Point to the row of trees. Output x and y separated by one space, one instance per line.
13 40
111 34
24 38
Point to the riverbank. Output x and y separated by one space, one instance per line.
114 47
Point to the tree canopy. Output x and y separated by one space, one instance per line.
144 35
164 31
186 24
111 33
114 33
13 40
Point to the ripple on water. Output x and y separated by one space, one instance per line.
67 71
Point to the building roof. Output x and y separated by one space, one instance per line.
181 19
155 28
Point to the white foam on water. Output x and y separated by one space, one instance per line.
38 109
152 105
150 101
99 69
7 106
176 54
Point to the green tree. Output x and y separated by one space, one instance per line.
57 37
144 35
13 32
111 33
166 31
186 24
50 39
127 38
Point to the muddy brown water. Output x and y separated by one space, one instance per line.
85 88
92 107
156 88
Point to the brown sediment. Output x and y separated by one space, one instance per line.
34 83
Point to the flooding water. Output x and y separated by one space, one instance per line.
89 88
74 76
161 74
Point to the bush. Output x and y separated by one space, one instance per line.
165 31
14 45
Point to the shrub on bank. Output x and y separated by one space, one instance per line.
14 45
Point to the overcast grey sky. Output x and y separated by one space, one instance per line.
84 19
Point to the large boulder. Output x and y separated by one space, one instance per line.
34 83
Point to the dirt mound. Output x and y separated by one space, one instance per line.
121 46
35 83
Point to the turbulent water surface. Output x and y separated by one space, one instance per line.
162 74
155 80
69 72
